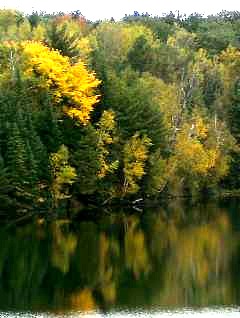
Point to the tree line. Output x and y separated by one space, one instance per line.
145 107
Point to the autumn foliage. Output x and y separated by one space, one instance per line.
72 85
144 108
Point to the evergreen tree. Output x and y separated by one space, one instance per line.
140 55
59 38
32 165
86 162
34 19
39 154
6 187
16 156
135 107
47 127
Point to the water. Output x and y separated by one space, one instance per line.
175 261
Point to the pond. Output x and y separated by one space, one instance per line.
181 259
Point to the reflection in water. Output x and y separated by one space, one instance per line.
166 259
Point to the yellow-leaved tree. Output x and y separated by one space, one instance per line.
72 85
201 154
135 155
106 137
229 67
63 175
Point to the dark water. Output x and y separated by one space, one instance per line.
184 257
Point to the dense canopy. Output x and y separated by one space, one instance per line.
147 107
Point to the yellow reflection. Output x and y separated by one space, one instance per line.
83 301
64 245
136 254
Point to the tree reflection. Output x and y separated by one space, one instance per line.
63 247
83 300
180 256
136 254
198 265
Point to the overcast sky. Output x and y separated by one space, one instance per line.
105 9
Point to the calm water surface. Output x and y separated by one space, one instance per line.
180 260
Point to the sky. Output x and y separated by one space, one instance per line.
105 9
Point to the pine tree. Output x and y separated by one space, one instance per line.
47 126
86 161
16 156
136 109
140 55
38 152
6 187
59 38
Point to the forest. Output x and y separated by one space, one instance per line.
112 111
